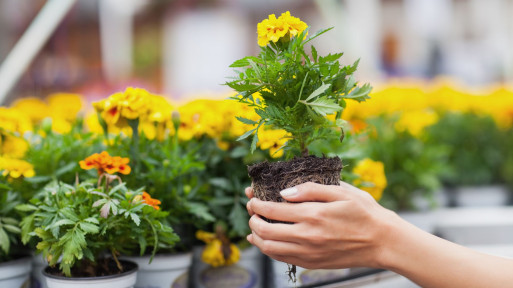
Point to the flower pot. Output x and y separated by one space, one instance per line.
165 271
270 178
38 264
125 279
15 273
247 273
304 276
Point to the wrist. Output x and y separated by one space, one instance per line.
393 235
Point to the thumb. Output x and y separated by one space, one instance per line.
313 192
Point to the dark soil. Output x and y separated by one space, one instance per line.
270 178
100 268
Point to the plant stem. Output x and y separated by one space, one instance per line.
114 252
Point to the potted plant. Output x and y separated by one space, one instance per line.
146 128
299 93
82 229
15 264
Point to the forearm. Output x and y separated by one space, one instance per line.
434 262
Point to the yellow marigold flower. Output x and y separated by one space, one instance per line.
133 103
61 125
14 120
371 173
273 29
16 168
13 147
65 105
213 252
35 108
272 139
415 121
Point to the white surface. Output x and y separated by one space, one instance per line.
163 270
15 273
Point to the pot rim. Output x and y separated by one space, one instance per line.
133 269
21 258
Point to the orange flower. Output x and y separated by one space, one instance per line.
105 163
146 198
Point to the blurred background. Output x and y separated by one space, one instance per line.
184 47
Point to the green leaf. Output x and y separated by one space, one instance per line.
239 152
318 91
92 220
323 106
89 228
246 135
222 183
239 220
246 121
26 208
12 228
330 58
200 210
38 179
317 34
60 223
360 93
314 54
65 169
4 241
4 187
254 142
135 218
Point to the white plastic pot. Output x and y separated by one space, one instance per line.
15 273
126 279
38 264
165 271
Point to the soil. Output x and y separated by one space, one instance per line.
100 268
270 178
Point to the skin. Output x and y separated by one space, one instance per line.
343 226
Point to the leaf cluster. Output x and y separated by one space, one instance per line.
76 224
9 223
297 91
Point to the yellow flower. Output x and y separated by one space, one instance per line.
371 173
35 108
14 120
273 29
61 125
13 147
16 168
65 105
213 252
273 140
133 103
415 121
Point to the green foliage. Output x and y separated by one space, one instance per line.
412 167
298 91
473 145
76 224
55 156
9 223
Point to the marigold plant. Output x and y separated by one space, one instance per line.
105 163
296 90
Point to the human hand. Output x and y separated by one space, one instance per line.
333 227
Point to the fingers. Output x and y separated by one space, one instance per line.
312 192
271 247
249 192
273 231
285 212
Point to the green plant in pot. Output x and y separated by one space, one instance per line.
15 264
83 228
302 94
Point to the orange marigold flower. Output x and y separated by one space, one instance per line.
146 198
105 163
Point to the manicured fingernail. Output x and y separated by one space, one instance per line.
289 192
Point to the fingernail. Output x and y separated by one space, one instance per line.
289 192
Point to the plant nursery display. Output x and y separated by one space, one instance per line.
84 227
300 95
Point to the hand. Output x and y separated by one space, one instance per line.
333 227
